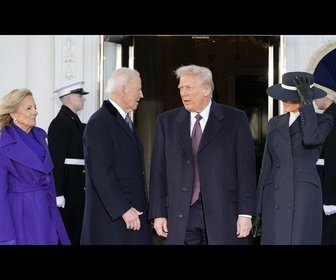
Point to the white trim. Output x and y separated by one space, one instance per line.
320 161
74 161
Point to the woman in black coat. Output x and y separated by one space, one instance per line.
289 194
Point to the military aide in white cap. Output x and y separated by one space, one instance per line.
323 65
66 148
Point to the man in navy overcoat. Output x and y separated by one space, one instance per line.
226 166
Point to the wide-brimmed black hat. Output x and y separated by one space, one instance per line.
287 90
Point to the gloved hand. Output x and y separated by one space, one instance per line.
60 201
302 84
256 226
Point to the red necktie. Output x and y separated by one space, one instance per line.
195 140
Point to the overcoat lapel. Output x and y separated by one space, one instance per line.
183 131
213 125
283 125
21 153
295 127
211 129
119 120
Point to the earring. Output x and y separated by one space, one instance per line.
15 121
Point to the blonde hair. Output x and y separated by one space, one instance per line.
10 103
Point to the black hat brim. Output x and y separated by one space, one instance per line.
79 91
279 93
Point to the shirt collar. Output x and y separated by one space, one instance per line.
204 113
120 110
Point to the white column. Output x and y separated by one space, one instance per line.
40 75
76 59
91 75
13 62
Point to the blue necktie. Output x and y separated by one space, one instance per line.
129 122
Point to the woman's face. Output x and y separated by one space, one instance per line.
25 114
291 106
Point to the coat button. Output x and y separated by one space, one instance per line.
180 216
184 189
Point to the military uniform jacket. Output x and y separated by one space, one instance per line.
289 189
328 170
65 141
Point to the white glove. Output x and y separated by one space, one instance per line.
60 201
329 209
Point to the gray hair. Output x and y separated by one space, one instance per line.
120 77
204 73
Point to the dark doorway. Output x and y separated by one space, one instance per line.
240 70
240 67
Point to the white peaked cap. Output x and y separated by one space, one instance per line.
72 88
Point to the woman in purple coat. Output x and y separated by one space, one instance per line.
289 194
28 210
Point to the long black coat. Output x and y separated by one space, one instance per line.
227 171
289 188
327 174
65 134
115 180
328 171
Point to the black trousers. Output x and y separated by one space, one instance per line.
196 229
329 230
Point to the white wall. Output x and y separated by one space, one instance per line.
40 75
13 58
40 63
77 59
44 62
300 48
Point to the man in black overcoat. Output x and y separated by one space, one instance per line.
323 65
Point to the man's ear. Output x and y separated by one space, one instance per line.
207 91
